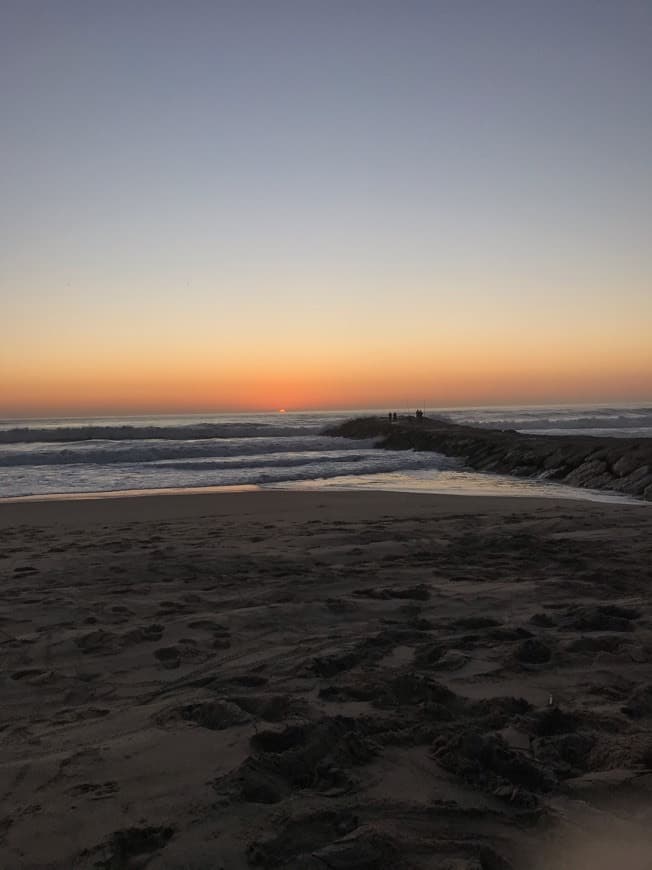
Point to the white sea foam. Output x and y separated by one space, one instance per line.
617 422
145 451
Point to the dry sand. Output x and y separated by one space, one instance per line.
312 680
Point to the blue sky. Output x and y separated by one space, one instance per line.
326 172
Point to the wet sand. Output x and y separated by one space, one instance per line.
325 680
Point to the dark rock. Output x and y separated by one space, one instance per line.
621 464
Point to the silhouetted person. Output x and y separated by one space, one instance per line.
395 417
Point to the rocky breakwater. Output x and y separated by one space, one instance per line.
623 465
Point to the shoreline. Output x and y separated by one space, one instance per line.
162 505
313 486
127 493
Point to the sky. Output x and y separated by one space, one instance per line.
324 204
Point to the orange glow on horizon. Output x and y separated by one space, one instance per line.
438 382
454 368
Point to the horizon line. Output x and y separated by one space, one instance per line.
129 414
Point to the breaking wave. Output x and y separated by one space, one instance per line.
630 422
108 453
197 431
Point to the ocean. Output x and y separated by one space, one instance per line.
52 457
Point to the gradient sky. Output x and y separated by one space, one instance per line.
318 203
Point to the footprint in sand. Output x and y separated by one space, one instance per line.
168 656
96 791
250 681
317 755
220 634
27 674
131 847
98 641
214 715
320 829
171 657
143 634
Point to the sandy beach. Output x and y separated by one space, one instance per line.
325 680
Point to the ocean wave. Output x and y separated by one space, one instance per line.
602 431
108 453
87 478
559 419
368 462
384 464
190 432
281 460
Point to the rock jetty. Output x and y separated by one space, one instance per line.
623 465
